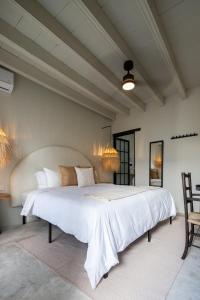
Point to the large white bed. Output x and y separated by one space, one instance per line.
105 216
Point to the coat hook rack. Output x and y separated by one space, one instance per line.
184 136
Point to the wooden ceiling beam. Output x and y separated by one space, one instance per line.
45 61
39 13
151 18
101 20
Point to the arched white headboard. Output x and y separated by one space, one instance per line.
23 178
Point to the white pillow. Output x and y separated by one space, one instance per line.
53 179
41 179
85 176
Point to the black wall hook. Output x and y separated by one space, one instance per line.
184 136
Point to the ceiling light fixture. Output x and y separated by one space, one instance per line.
128 80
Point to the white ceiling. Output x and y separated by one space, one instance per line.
161 37
181 20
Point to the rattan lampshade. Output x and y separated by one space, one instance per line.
110 159
5 149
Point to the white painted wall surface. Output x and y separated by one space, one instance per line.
35 117
160 123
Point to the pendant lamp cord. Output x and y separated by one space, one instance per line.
110 133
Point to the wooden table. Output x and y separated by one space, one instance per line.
4 197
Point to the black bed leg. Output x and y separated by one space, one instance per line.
149 235
23 220
105 275
170 220
50 233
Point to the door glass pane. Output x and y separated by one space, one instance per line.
122 168
122 156
126 168
122 178
117 144
126 157
126 179
126 147
118 179
122 146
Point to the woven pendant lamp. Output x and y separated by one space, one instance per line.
5 149
110 159
98 150
110 156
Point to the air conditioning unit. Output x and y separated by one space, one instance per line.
6 81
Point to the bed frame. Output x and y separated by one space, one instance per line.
50 229
50 235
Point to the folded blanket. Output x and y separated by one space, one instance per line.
118 192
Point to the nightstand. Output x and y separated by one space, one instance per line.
4 197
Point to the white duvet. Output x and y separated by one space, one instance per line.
107 226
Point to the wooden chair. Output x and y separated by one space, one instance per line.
192 218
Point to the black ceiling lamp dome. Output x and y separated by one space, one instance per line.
128 80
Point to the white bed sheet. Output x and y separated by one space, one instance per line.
107 227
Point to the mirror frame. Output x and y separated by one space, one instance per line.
162 153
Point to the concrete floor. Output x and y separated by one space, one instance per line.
24 277
186 285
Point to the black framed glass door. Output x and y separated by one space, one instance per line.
123 176
124 142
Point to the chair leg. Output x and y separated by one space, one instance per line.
186 240
149 235
170 220
50 233
191 235
23 220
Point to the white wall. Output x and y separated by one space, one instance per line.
35 117
160 123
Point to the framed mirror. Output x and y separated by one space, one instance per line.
156 150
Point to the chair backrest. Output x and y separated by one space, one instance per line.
187 191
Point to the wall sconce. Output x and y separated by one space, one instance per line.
5 149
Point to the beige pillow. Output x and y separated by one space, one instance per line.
85 176
68 176
96 177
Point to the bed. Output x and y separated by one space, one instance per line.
105 216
